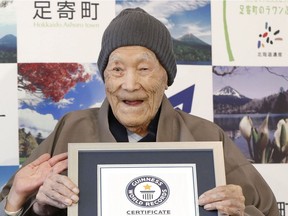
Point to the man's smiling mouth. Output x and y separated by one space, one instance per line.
133 102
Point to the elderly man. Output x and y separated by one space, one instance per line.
137 64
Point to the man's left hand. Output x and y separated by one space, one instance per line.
227 199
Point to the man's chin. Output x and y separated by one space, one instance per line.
131 122
132 113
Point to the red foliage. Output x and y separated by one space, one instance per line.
54 80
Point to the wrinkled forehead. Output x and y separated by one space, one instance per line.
137 53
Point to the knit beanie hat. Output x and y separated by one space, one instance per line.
135 27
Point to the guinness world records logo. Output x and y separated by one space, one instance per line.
147 191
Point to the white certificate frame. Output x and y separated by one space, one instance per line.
79 152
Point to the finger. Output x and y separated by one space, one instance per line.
62 193
54 188
221 193
55 159
228 207
60 166
207 198
56 179
41 159
68 183
43 199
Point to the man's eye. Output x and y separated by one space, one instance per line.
144 69
117 69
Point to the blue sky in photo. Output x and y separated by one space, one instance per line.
5 173
7 20
201 16
7 29
84 96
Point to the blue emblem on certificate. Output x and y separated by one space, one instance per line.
147 191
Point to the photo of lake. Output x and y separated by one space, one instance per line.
260 94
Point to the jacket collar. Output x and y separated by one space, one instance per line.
171 125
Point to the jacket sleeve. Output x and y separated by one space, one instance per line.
2 206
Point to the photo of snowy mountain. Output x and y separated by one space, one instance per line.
182 18
263 99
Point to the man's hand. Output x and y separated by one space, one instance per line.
227 199
57 192
31 177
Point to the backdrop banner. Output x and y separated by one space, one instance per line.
231 60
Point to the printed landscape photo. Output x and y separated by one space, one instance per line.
189 23
253 99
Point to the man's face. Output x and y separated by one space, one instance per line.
135 83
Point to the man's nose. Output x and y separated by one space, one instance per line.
131 80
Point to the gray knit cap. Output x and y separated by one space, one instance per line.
135 27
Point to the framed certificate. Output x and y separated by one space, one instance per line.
133 179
